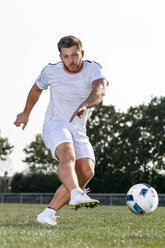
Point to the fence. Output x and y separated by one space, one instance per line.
44 198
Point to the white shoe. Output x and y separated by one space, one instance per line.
83 200
47 219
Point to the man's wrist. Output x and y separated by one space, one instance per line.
26 112
86 104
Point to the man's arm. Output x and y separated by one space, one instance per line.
32 98
94 98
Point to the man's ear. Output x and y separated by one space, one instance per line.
82 53
60 56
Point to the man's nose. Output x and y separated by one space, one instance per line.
70 60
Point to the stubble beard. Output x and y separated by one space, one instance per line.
76 69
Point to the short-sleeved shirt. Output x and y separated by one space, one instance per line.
68 90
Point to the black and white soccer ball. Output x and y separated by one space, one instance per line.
142 199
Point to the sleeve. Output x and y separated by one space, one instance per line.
42 80
97 73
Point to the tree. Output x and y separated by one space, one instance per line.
129 146
104 127
39 158
37 182
5 148
42 174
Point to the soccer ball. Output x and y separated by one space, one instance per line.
142 199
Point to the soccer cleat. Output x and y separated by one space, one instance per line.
47 219
83 200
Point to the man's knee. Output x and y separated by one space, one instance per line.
65 153
89 173
85 169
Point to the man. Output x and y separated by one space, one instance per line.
75 87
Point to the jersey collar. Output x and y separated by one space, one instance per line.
73 72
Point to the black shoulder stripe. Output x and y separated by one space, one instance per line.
98 64
50 64
54 63
89 61
43 69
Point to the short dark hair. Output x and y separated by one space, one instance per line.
69 41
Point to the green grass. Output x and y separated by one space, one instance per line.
102 227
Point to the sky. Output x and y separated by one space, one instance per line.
126 37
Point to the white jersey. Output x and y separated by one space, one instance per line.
68 90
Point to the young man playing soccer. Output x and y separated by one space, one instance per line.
75 86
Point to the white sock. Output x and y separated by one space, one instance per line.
49 211
75 192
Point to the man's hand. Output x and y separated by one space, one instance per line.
32 98
22 118
79 112
95 97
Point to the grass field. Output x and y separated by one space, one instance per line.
102 227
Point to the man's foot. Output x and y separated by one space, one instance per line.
83 200
47 219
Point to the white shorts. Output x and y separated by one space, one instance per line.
56 132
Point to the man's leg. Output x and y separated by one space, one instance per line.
85 168
66 168
85 171
68 176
